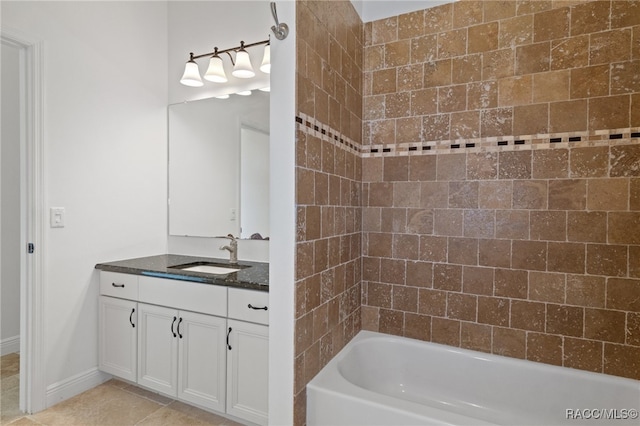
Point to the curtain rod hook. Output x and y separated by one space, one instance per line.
280 30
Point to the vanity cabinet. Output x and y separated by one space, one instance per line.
248 355
248 371
118 337
182 354
203 344
118 317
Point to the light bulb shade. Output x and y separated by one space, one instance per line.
215 72
266 60
191 76
243 68
244 93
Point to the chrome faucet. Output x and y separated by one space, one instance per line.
232 248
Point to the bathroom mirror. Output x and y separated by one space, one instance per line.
219 167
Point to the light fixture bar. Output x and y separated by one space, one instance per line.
232 49
242 67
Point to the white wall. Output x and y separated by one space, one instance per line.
109 79
199 27
10 205
105 96
282 222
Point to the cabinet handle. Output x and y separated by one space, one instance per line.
179 322
264 308
133 310
173 332
117 285
228 333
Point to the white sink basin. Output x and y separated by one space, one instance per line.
209 269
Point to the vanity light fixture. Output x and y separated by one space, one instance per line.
244 93
215 72
191 76
242 67
265 67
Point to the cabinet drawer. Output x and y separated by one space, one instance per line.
189 296
124 286
248 305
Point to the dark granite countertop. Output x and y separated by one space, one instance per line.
253 275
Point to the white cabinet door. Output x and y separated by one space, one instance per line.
202 354
118 337
158 348
248 371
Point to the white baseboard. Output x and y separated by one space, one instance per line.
10 345
75 385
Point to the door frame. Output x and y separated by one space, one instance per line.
32 172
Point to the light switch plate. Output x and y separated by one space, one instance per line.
56 217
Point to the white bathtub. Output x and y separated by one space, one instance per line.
378 379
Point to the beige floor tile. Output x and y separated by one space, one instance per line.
115 402
9 365
9 405
153 396
117 383
169 417
11 382
24 421
201 415
102 405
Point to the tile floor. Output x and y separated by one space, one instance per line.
110 404
9 387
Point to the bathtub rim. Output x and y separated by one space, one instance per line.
365 335
330 381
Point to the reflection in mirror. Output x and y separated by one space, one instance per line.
206 156
254 181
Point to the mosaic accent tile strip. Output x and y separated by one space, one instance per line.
310 126
510 143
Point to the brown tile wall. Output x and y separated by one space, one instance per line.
476 69
530 252
328 188
535 259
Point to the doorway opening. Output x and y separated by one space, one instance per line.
25 140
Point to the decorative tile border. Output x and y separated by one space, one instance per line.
311 126
509 143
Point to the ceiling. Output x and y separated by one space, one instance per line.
372 10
